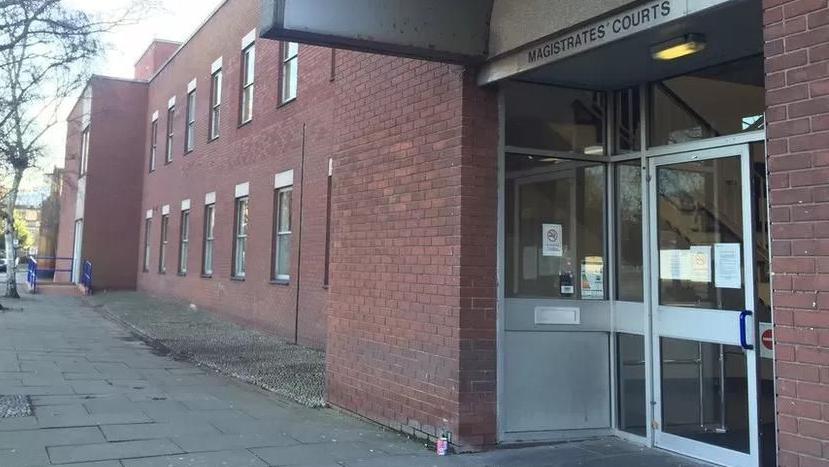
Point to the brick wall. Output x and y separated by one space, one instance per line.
797 66
411 317
254 153
156 55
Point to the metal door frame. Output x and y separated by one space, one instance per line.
719 326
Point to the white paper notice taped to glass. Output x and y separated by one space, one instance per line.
674 265
551 238
727 266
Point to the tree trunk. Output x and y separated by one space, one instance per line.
11 236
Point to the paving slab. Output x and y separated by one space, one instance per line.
109 400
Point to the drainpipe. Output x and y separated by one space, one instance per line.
299 236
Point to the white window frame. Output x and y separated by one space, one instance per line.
171 130
240 236
290 71
248 83
190 124
184 241
215 103
84 151
153 143
148 229
163 243
280 233
209 239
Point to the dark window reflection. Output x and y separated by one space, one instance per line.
630 352
722 100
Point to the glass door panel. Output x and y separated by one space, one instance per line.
705 370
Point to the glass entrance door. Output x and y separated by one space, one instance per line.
703 295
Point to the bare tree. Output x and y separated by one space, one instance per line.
46 49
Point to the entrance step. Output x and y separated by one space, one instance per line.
60 289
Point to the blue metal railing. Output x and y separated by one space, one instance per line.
31 275
37 271
86 277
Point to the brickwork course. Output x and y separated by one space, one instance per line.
797 67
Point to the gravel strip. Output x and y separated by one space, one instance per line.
258 358
15 406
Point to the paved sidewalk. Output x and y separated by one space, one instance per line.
102 398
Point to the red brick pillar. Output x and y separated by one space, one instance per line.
797 99
411 334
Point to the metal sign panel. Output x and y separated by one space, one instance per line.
449 31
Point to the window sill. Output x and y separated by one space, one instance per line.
285 103
188 151
280 282
237 279
182 274
163 273
210 140
207 276
244 124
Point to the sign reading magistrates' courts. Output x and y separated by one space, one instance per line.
603 31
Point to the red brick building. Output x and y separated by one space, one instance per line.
547 222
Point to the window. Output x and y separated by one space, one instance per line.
209 231
282 237
240 233
290 70
184 242
717 101
171 113
162 253
248 63
190 130
84 150
148 225
629 263
215 103
153 144
556 234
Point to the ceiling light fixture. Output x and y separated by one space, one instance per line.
680 47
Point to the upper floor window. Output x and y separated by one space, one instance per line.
215 103
153 144
190 130
240 238
171 114
248 71
290 70
84 151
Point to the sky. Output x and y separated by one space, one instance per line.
169 19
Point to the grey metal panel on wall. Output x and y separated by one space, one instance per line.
520 315
556 381
450 31
518 22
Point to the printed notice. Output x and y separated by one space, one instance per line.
674 265
701 264
592 278
551 238
727 266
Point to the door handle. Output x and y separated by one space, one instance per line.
743 334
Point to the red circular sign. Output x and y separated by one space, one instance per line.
768 339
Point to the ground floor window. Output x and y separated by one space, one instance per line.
162 253
209 231
147 230
184 242
240 238
282 235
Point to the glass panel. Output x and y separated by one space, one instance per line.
722 100
555 119
629 270
283 256
285 211
705 392
555 233
628 121
699 213
630 354
763 311
289 80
